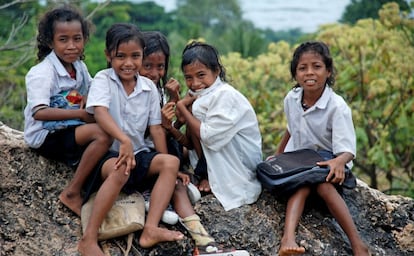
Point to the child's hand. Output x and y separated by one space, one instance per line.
168 113
173 88
188 100
179 116
336 172
86 117
184 177
126 156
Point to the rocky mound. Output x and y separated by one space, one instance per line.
34 222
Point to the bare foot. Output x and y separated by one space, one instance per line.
361 250
72 201
204 186
289 248
87 248
152 235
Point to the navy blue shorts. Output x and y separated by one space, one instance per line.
61 146
137 181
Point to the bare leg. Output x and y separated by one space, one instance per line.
294 210
99 143
105 198
181 201
166 166
339 210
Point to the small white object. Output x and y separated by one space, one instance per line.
193 193
168 217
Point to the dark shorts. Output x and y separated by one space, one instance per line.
314 201
137 181
201 169
61 146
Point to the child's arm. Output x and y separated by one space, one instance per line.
192 123
337 167
54 114
283 143
167 115
126 151
158 136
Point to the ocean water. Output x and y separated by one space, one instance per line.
306 15
283 15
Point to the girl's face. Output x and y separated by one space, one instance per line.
68 41
311 72
198 76
153 66
126 61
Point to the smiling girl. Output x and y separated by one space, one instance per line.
318 119
222 120
125 104
77 141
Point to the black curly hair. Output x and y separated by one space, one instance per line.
205 54
46 28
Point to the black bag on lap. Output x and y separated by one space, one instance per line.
285 173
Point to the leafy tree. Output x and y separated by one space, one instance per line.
374 58
16 46
18 49
221 22
360 9
210 14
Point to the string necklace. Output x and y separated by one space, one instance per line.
304 105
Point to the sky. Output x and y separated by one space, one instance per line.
282 14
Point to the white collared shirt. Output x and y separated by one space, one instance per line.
133 113
231 141
327 125
46 79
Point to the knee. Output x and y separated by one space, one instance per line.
171 163
325 189
303 191
117 177
103 138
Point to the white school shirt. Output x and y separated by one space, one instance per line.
327 125
46 79
232 144
132 113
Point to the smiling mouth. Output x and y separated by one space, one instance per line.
127 70
73 54
310 81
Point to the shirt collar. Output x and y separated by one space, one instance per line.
208 90
321 103
141 84
60 69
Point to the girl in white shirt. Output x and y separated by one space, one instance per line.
223 121
62 35
318 119
155 67
125 104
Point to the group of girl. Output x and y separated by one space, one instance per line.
129 136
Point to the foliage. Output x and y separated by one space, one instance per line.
361 9
375 77
265 81
373 58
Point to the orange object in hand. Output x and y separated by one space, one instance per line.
74 97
